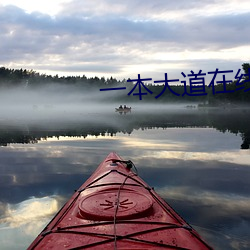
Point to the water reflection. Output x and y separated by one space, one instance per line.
21 221
111 123
199 169
31 210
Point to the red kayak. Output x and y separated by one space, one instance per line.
116 209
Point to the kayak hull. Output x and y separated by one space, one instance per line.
116 209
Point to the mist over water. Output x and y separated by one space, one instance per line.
61 103
49 102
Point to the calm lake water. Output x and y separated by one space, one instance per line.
197 160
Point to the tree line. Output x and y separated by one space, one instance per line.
232 92
31 78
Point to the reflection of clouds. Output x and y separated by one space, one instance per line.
146 144
222 219
2 209
226 240
153 139
79 138
228 203
22 222
175 143
183 139
29 213
50 158
236 156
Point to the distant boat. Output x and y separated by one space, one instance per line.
125 110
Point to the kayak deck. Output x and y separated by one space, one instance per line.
116 209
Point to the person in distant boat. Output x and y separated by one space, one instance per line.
120 107
125 106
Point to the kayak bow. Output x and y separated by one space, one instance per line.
116 209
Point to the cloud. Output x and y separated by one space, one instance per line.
112 38
134 9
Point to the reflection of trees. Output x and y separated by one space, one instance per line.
16 137
237 122
245 144
222 120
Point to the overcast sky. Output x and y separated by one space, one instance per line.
124 38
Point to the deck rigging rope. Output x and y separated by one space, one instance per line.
116 237
129 165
